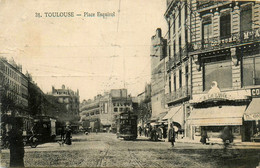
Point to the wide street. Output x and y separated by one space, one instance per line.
105 150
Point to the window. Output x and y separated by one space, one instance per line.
206 30
121 109
225 25
170 81
179 16
174 24
180 45
174 81
115 109
251 71
217 69
174 48
246 18
180 78
187 75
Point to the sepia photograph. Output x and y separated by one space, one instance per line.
130 83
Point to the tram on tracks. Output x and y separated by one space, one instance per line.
127 125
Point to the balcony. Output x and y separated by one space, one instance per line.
179 94
218 43
207 3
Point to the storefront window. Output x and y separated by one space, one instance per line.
220 71
251 71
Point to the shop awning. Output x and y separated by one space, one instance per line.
175 114
159 117
253 110
214 116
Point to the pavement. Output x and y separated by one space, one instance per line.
215 141
105 150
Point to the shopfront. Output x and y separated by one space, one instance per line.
214 111
252 117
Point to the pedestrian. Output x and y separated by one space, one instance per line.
68 135
164 131
226 136
171 137
204 136
62 134
140 130
15 138
145 131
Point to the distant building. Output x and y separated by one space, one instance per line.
68 98
144 106
158 53
13 88
100 113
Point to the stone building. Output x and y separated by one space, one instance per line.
178 63
100 113
14 87
158 53
70 100
225 68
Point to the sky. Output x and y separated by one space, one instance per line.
92 54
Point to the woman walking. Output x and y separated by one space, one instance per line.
67 135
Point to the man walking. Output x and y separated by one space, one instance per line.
171 137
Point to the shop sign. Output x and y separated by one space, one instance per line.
215 96
255 92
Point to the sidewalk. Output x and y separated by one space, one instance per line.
219 142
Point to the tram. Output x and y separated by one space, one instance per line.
127 125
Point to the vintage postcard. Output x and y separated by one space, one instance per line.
120 83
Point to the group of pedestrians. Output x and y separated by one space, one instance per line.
161 132
226 136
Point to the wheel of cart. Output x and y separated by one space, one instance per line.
33 141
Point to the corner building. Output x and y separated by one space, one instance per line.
225 67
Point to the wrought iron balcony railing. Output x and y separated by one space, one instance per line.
234 39
207 3
180 93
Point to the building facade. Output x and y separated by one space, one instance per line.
158 53
70 100
14 88
100 113
143 106
225 68
178 63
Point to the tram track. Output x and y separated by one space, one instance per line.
135 159
100 161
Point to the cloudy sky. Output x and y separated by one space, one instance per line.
91 54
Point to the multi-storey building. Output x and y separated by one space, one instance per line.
69 99
177 62
225 68
14 88
158 53
100 113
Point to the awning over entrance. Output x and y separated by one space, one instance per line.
253 110
159 117
214 116
175 114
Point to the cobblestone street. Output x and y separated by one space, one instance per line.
105 150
